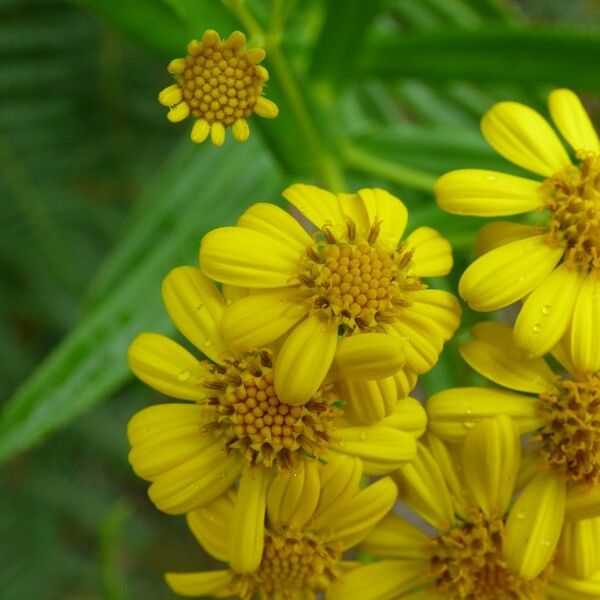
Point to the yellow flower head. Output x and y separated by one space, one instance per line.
194 452
312 518
219 84
354 275
485 545
562 411
555 266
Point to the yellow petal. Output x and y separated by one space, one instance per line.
388 211
196 307
572 120
583 502
195 482
405 381
408 415
363 512
563 587
382 449
167 367
265 108
368 401
546 314
259 319
160 418
383 580
524 137
579 548
422 486
487 193
240 130
248 525
170 95
200 131
293 496
562 353
340 479
534 525
177 66
496 234
439 307
277 224
367 356
394 537
432 253
178 112
319 206
206 583
217 133
210 525
491 459
585 346
247 258
453 413
509 273
167 448
495 355
304 360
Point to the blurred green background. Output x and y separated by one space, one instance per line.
100 196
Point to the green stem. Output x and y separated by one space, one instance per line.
361 160
326 168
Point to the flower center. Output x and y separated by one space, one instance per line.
291 564
571 438
254 421
466 564
573 198
356 281
219 83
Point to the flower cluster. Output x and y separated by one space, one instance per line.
293 439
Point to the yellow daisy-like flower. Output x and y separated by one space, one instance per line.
219 84
354 275
562 411
236 423
556 266
484 546
312 518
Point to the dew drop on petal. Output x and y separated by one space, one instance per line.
537 327
546 309
183 376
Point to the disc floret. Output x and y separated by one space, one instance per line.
356 280
219 83
254 421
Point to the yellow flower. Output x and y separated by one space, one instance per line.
354 275
219 84
312 518
483 546
556 266
235 423
562 411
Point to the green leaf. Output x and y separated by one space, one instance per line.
558 56
204 184
335 53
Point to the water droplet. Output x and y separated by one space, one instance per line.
469 411
183 376
490 178
469 425
546 310
520 516
228 301
363 435
537 327
207 342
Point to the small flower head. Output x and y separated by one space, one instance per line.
485 544
236 423
220 85
561 410
354 275
553 266
312 518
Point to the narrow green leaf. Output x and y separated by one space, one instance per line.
205 183
558 56
340 42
